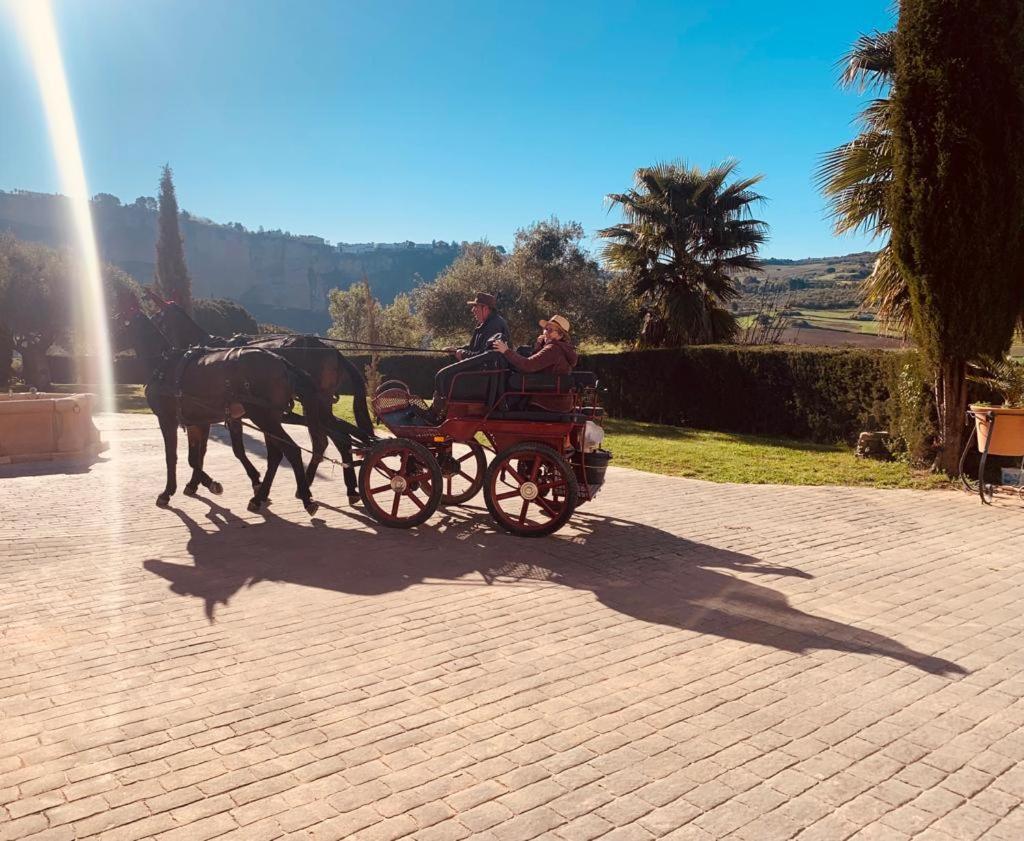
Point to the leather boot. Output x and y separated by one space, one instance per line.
438 408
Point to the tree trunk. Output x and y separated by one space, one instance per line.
36 368
951 402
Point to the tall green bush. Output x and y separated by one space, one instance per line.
172 279
957 197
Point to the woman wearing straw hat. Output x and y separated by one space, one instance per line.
552 354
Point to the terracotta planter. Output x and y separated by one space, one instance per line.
1005 437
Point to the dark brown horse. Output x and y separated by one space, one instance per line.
203 386
326 365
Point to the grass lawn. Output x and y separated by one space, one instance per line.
751 459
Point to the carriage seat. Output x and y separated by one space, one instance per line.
551 383
540 383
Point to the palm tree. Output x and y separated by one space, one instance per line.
856 176
685 235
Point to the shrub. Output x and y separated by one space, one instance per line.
820 394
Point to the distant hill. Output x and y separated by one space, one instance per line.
285 278
279 277
813 282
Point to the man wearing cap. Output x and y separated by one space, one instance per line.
488 325
477 355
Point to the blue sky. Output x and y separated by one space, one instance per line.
368 121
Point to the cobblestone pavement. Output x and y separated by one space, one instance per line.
687 660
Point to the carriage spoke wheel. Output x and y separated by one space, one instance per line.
400 483
530 490
462 472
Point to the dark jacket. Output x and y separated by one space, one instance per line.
556 357
480 341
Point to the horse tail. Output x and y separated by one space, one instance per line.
359 406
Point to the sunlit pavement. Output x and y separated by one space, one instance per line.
687 660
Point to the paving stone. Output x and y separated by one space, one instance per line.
683 660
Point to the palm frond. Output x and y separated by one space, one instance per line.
870 63
885 290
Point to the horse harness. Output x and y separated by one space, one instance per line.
233 394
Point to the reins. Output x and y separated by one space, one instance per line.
356 344
278 438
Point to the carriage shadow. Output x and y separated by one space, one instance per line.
663 579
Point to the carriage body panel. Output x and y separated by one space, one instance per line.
551 445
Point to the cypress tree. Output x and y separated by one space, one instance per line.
172 280
957 199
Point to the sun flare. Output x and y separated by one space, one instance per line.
38 31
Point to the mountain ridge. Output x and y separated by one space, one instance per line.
286 278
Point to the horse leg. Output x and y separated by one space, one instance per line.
286 446
194 434
349 471
213 487
318 437
315 458
169 430
262 494
238 448
274 454
343 443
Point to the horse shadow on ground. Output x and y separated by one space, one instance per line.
663 579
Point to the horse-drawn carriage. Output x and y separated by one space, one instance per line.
544 429
546 461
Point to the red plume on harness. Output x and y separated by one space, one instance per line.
155 299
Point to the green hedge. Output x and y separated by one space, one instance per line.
414 369
818 394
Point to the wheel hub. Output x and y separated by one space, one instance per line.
398 484
529 490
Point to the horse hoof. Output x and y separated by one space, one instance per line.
163 501
189 490
354 499
311 507
216 488
254 505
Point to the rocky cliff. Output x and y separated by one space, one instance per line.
277 276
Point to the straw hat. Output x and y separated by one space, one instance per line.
559 321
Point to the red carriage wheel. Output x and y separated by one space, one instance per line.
530 490
400 483
462 472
